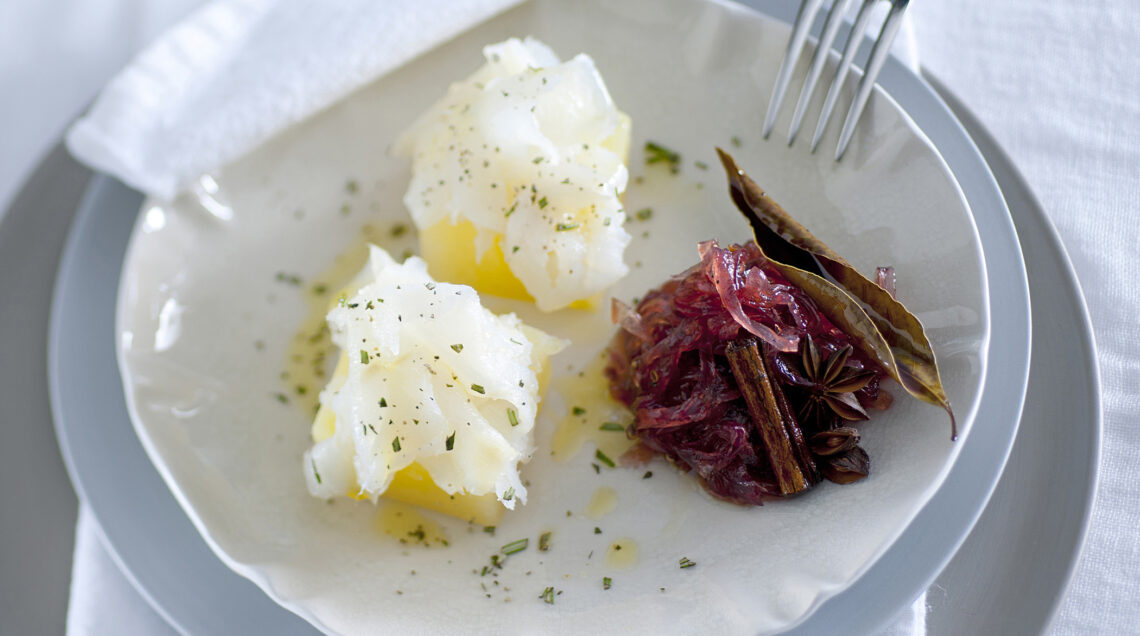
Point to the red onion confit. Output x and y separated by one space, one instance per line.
667 364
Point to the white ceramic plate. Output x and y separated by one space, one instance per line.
198 291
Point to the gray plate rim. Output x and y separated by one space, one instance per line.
932 116
1029 215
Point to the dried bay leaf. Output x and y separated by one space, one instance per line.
883 328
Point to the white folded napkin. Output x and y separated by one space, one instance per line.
238 71
102 600
220 83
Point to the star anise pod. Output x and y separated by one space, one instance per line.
834 442
831 385
848 467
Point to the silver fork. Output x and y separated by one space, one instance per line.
804 20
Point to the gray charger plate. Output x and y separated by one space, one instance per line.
172 567
997 583
1009 576
159 549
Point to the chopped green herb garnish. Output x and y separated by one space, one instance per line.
602 458
351 186
383 403
597 469
457 348
606 582
512 417
547 596
363 357
281 397
489 530
291 279
542 203
597 530
515 546
686 563
537 160
564 227
316 473
451 441
399 230
647 475
396 443
735 141
511 211
644 214
577 410
701 165
656 153
544 542
514 249
611 426
478 388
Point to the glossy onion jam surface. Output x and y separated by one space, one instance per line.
667 364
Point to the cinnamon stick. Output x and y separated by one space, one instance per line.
747 363
791 425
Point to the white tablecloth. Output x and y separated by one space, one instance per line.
1057 82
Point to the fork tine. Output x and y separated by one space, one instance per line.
796 44
830 30
874 65
853 41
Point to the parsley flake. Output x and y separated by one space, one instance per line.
602 458
515 546
656 153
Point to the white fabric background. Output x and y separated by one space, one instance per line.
1057 82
